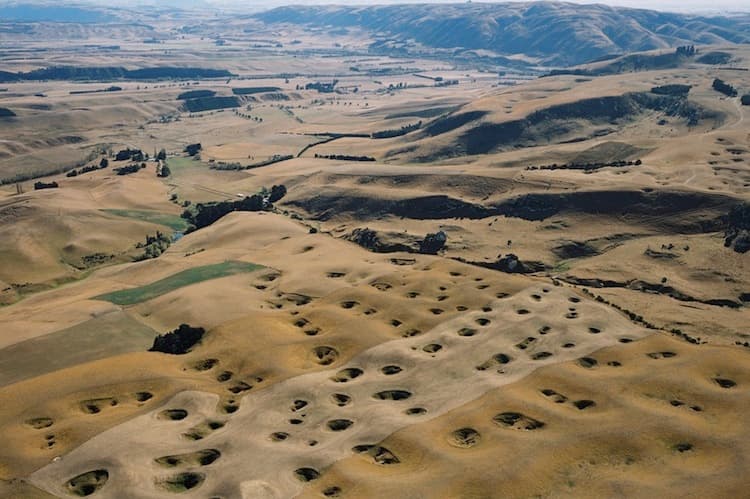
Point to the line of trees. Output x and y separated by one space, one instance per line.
38 186
130 169
585 166
344 157
397 132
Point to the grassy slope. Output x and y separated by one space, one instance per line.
174 222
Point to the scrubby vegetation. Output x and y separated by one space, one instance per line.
676 90
724 87
714 58
737 233
433 243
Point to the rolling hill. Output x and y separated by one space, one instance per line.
559 34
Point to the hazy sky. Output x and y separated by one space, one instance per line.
670 5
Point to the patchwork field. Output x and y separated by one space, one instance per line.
185 278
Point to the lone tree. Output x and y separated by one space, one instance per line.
193 149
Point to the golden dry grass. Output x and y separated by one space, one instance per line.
661 423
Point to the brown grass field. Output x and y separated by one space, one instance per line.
618 366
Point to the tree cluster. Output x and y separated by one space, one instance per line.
193 149
130 155
179 341
205 214
323 88
686 50
154 246
724 87
163 171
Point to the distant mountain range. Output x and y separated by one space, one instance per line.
32 12
552 33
